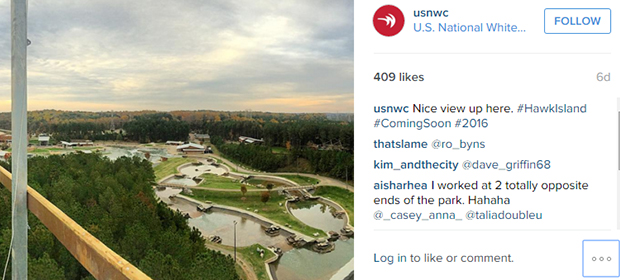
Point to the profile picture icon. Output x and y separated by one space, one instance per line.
388 20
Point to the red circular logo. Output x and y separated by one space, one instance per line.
388 20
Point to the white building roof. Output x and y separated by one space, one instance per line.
249 140
190 146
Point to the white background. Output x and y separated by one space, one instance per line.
498 69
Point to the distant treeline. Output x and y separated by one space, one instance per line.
335 163
158 127
278 129
114 201
324 141
42 121
294 133
82 130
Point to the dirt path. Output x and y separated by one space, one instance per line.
247 268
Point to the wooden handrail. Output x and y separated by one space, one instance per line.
96 257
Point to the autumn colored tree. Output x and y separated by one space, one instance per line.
264 197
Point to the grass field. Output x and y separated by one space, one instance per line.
302 180
271 209
45 150
232 168
253 257
169 167
279 150
219 182
265 182
340 196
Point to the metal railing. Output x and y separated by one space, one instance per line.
96 257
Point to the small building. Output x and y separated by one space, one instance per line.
250 140
84 143
201 138
66 144
191 148
174 143
44 139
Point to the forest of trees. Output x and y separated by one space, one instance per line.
276 128
334 163
115 202
43 120
82 130
256 156
158 127
297 133
325 141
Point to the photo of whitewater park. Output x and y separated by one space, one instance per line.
177 140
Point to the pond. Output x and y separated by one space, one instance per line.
295 263
317 214
190 171
304 264
116 152
196 170
248 231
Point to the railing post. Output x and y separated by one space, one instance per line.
19 252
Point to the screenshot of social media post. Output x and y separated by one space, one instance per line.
486 140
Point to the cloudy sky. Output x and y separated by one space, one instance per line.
100 55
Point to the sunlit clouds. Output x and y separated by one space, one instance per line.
95 55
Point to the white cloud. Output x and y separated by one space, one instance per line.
187 54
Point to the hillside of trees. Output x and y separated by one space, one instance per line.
43 121
115 202
83 130
325 145
276 128
334 163
158 127
295 133
323 141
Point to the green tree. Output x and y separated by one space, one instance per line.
115 202
44 268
